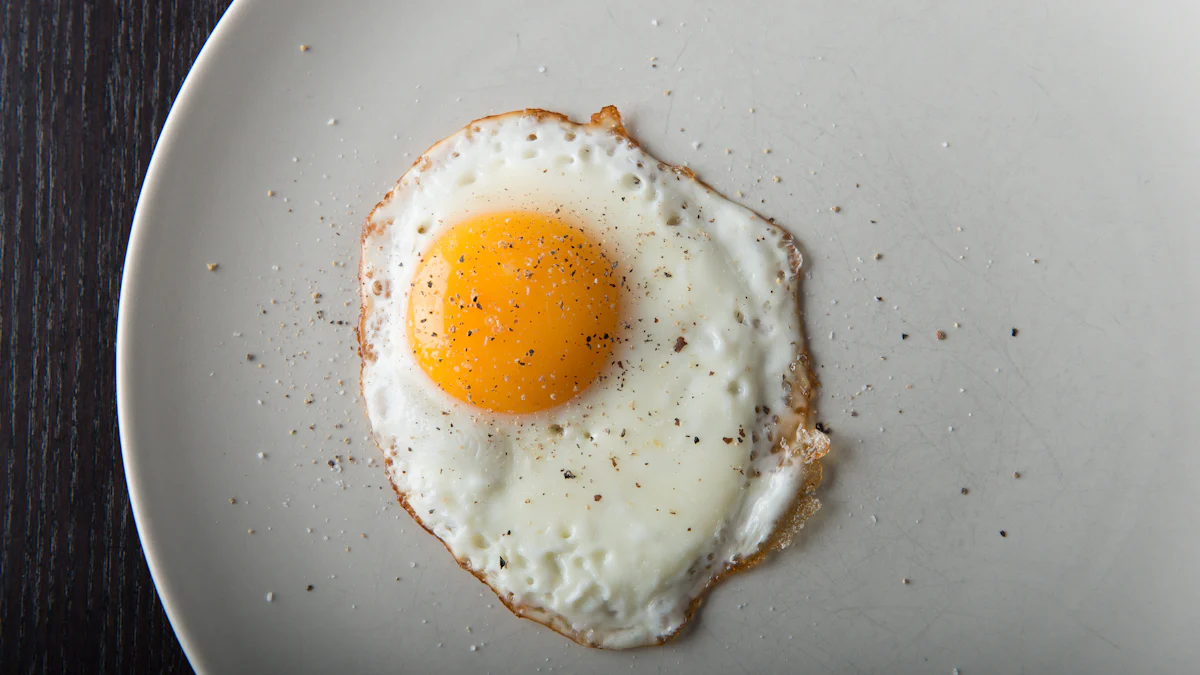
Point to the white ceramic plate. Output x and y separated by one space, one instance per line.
1022 166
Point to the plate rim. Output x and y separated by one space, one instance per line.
136 250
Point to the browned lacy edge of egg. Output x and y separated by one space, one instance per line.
804 444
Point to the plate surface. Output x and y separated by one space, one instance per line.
1026 171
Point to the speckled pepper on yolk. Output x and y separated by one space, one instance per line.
513 312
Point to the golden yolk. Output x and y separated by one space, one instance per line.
513 312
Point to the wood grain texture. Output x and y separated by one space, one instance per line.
84 90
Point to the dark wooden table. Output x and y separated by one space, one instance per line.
84 90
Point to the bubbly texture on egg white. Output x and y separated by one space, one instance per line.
586 371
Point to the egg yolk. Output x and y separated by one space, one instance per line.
513 312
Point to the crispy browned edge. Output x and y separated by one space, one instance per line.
803 387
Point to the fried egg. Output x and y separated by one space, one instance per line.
586 371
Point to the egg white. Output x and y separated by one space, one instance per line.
607 517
